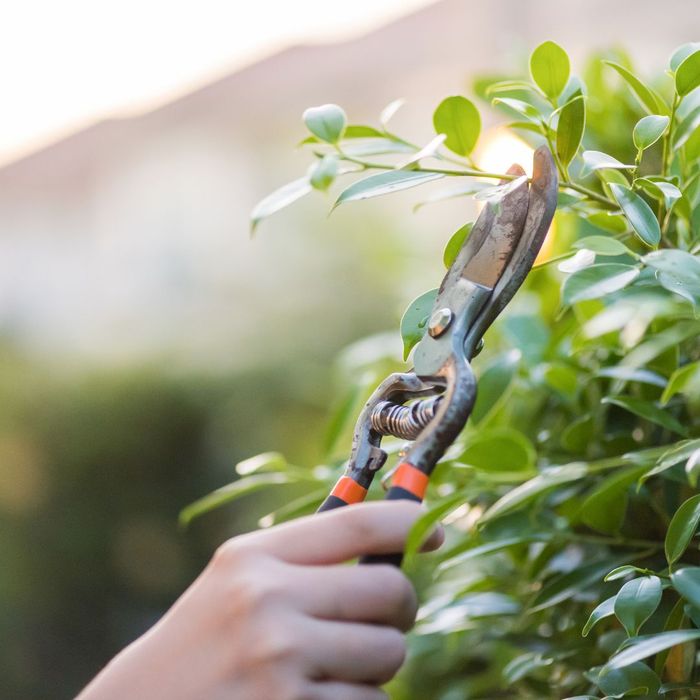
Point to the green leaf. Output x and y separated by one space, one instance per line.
628 374
430 150
687 582
637 601
265 462
421 529
684 380
603 610
507 86
634 679
596 160
562 378
233 491
692 468
498 449
352 131
323 172
458 555
614 223
493 384
682 529
680 452
279 199
648 98
648 645
638 213
648 411
363 147
674 620
687 127
688 74
608 176
568 585
659 189
455 244
623 571
525 109
524 665
549 67
384 183
549 479
605 507
576 437
660 342
326 122
570 128
677 271
459 120
360 131
648 130
681 53
415 320
596 281
603 245
582 259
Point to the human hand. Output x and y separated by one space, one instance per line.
277 616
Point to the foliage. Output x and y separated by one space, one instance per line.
572 566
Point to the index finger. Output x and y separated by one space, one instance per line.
342 534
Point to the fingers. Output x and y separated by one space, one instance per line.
354 652
376 594
342 534
345 691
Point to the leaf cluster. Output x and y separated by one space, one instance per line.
572 567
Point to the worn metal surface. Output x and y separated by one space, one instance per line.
490 267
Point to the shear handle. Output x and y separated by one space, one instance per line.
410 479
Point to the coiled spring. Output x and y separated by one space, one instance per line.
405 422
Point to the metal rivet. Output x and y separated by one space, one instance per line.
439 322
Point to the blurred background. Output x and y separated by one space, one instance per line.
147 344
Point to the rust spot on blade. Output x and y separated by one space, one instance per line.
487 264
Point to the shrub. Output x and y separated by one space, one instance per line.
572 567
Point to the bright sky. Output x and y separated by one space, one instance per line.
64 64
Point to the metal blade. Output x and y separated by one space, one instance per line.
494 237
540 211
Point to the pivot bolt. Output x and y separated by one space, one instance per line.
439 322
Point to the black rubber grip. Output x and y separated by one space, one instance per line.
395 493
331 503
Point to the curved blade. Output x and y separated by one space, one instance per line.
493 239
540 211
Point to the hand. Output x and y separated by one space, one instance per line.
276 616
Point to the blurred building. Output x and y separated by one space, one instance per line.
130 239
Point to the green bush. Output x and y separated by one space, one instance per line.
572 566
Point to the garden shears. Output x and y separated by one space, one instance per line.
430 404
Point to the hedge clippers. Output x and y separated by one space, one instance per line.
430 404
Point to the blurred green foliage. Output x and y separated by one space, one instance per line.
94 468
572 566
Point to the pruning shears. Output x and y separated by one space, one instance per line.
430 404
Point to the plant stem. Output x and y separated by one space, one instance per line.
614 541
589 193
476 172
667 138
